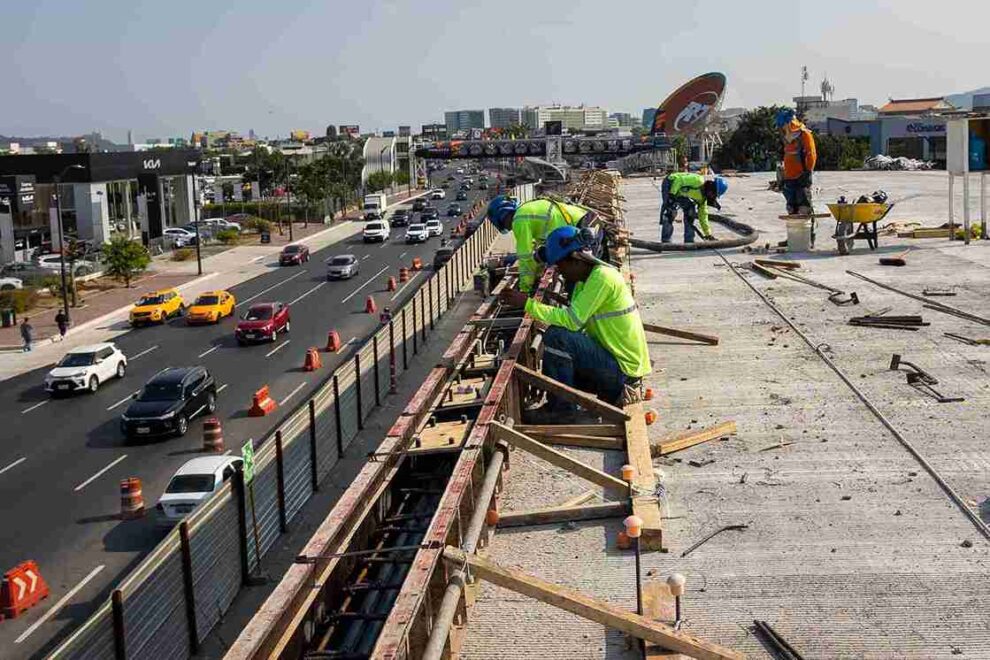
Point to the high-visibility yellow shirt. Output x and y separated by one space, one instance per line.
603 307
689 184
531 224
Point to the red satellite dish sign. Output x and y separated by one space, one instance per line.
688 108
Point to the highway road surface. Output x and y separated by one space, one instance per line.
61 460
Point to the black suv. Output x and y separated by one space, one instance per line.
400 218
419 204
429 214
168 401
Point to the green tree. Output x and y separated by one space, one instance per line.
840 152
124 258
402 178
754 145
379 181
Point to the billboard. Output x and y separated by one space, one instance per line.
351 130
688 109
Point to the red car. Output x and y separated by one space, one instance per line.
262 322
293 255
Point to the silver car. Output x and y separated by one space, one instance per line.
342 267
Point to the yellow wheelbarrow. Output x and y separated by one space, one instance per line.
857 221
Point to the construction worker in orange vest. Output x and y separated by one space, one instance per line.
800 156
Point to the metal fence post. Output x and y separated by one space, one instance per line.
280 482
405 347
119 644
429 285
374 353
422 312
336 414
187 587
415 332
393 385
237 485
357 384
312 446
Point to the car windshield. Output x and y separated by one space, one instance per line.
77 360
207 300
374 226
290 249
258 314
415 228
151 300
432 222
340 261
161 392
191 483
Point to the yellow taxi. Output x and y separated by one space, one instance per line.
210 307
157 307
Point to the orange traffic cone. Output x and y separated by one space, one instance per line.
403 274
391 284
313 361
131 499
417 263
369 305
212 436
333 342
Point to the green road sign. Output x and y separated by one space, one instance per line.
247 453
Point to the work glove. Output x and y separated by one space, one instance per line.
804 180
710 237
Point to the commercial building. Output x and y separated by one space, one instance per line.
133 193
905 127
463 120
379 156
817 110
504 117
575 119
433 132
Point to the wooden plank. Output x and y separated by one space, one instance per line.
711 340
583 399
586 441
435 437
561 460
590 608
684 439
614 430
763 270
467 391
778 263
645 481
658 604
559 514
586 496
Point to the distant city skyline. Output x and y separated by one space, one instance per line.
168 69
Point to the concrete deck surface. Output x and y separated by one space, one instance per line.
853 550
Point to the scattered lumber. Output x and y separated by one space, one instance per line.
684 439
658 604
586 496
583 399
711 340
645 505
778 263
763 270
605 430
559 514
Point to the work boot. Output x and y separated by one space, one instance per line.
631 393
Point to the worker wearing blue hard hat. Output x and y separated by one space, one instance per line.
597 342
692 193
800 157
530 223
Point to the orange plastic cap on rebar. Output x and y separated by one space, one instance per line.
634 526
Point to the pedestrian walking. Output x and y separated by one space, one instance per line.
27 333
62 321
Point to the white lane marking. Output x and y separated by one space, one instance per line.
278 348
222 388
257 259
384 245
53 610
323 283
144 352
367 256
399 292
227 453
350 341
370 280
123 401
14 464
402 255
35 406
261 293
98 474
292 394
207 352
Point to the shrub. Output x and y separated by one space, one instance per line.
227 236
124 259
183 254
256 224
20 300
53 283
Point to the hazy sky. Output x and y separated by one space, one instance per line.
167 68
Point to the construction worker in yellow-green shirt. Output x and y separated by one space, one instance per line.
530 224
597 343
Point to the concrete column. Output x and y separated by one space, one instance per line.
7 251
92 212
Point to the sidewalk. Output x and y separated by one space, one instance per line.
104 314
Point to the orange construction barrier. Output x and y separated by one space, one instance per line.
262 403
403 274
369 305
417 263
212 435
313 361
22 587
333 342
131 499
391 286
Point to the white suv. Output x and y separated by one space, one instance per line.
437 193
434 227
86 368
376 230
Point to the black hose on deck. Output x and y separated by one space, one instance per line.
747 236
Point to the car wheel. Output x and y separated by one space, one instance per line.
211 403
121 368
274 336
181 426
94 384
181 311
286 328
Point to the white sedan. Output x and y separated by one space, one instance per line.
437 193
86 368
417 233
195 481
9 283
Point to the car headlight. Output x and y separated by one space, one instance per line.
168 415
125 418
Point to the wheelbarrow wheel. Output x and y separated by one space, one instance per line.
844 233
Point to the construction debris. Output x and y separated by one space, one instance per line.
684 439
779 645
889 322
921 380
968 340
711 340
882 162
896 260
941 307
727 528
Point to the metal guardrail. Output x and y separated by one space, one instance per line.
168 605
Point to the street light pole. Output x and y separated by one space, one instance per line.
288 198
61 239
199 258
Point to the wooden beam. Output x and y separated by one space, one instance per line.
614 430
586 496
586 441
778 263
711 340
645 481
559 514
561 460
658 604
684 439
583 399
763 270
589 608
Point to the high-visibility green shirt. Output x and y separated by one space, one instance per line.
689 184
603 307
531 224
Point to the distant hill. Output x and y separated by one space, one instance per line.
964 100
96 141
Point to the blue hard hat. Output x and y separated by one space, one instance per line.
721 185
784 117
500 211
563 242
